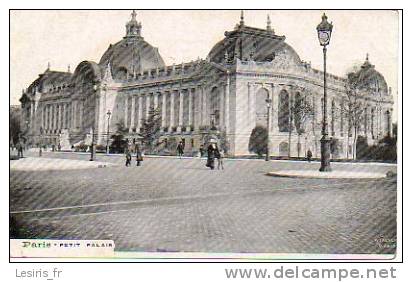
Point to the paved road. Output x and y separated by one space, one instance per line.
180 205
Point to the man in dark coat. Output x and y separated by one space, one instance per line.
128 158
180 149
20 149
309 155
212 153
139 157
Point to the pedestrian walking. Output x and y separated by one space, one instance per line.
220 157
128 158
212 152
309 155
202 150
180 149
20 149
139 156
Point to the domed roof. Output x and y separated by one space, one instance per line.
131 54
369 79
248 43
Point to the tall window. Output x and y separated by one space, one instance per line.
283 113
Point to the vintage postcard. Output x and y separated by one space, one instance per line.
264 134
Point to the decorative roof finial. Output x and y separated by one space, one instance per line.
68 68
367 57
242 18
48 66
133 28
269 24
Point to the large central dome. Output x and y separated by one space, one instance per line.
132 54
248 43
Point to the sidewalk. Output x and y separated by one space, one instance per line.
339 174
236 159
41 164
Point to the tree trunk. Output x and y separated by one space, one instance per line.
355 137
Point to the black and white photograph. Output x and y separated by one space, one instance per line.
248 134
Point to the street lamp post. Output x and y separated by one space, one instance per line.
109 113
268 106
324 30
92 147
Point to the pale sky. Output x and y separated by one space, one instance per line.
69 37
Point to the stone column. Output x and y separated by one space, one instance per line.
275 102
60 125
222 107
42 117
189 92
147 105
47 116
156 100
163 110
201 105
227 101
205 112
390 122
180 122
249 104
54 116
126 108
63 116
132 114
172 109
196 112
74 114
139 114
32 124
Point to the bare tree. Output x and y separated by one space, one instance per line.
354 109
302 111
151 129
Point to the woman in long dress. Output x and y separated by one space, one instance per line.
212 152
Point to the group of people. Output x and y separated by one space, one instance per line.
139 156
212 151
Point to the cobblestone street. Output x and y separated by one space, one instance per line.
178 205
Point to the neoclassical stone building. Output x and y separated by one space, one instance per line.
222 95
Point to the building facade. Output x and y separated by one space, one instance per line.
223 96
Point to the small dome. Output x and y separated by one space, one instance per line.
369 79
132 54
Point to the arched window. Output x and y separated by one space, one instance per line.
121 73
283 149
261 110
214 106
283 111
